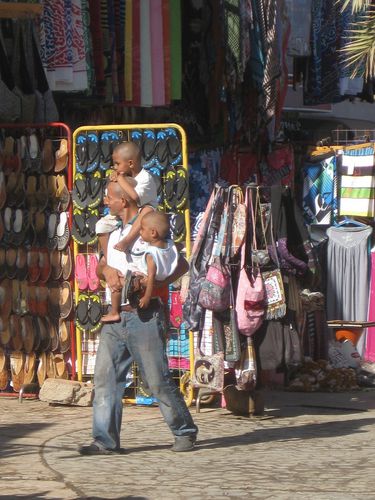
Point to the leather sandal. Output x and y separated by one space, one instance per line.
17 363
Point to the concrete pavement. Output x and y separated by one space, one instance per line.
306 446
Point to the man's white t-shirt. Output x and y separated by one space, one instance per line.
146 189
122 261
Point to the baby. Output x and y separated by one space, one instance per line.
158 262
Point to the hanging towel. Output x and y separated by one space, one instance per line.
318 191
370 337
146 68
357 182
175 45
128 52
167 52
136 43
157 56
75 77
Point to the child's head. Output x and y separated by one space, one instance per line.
154 227
126 158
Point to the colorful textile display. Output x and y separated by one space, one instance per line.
357 182
318 191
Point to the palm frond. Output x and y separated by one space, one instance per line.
360 47
357 5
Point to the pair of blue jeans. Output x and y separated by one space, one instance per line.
139 337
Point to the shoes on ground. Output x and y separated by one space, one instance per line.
94 449
184 443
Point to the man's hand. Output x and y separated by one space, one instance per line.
112 278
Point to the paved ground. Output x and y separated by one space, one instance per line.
307 446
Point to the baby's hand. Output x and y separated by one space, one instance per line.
143 303
121 246
113 176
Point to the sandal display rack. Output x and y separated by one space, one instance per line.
164 154
36 300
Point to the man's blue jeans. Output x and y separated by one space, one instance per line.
139 337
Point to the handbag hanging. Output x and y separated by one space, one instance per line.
226 335
250 299
215 289
208 371
201 253
273 281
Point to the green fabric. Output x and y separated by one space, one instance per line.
175 47
358 193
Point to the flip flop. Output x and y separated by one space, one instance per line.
8 225
3 271
93 152
136 137
82 312
91 220
95 190
182 188
19 225
108 141
62 194
170 189
80 272
17 362
81 153
45 340
27 335
11 262
80 233
148 145
53 334
95 313
54 299
93 280
161 150
173 146
4 373
80 192
62 156
48 156
15 332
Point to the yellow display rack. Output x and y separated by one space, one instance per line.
185 386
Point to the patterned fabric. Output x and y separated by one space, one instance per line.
370 336
323 70
318 191
233 41
357 182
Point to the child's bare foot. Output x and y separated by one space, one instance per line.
121 246
111 317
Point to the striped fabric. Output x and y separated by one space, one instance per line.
357 182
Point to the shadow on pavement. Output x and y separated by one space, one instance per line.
10 433
40 496
265 435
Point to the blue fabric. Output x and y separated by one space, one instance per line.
318 191
138 337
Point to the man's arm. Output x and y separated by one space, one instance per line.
109 274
